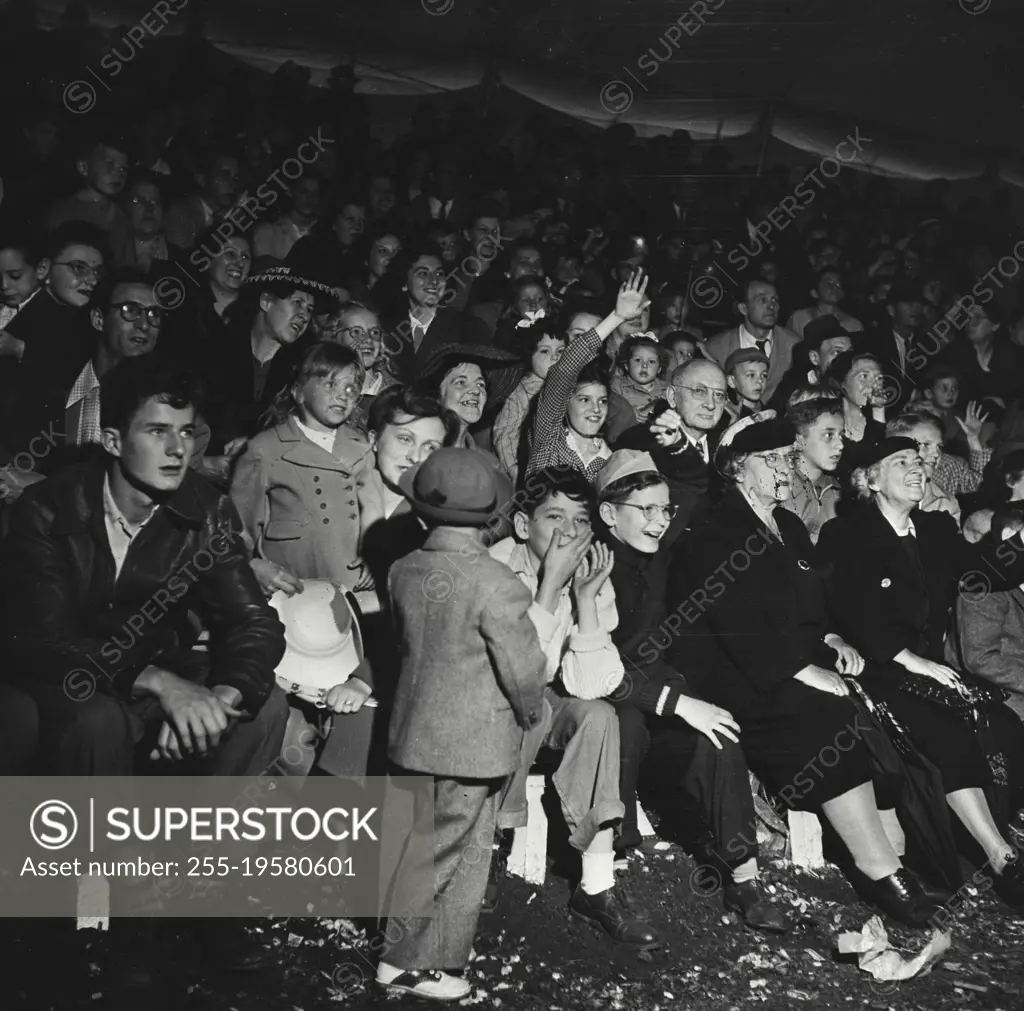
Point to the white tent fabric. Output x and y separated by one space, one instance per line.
934 88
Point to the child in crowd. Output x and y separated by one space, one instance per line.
528 301
681 347
641 366
746 371
540 349
471 682
295 486
573 610
961 426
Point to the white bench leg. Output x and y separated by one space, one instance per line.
805 840
643 823
529 856
93 906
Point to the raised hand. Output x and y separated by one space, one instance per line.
973 421
632 301
593 571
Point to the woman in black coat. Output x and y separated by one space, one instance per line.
893 573
754 635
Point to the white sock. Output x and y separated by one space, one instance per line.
747 871
894 831
598 872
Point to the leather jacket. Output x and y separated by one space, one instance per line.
69 620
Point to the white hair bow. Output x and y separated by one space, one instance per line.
530 317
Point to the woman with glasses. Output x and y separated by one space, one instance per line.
689 747
749 626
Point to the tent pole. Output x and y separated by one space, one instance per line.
767 122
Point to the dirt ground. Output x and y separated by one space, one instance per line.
530 955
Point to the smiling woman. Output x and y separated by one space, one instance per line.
893 573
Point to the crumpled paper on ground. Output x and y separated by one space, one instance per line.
877 956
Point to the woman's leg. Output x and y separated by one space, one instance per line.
894 831
854 816
972 809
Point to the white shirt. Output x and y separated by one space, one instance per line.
587 450
421 327
372 383
436 208
901 349
589 664
701 445
120 533
325 440
7 312
748 340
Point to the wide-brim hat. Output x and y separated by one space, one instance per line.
277 274
824 328
502 370
460 487
323 645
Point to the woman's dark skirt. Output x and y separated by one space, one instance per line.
805 745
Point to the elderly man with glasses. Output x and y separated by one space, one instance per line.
681 437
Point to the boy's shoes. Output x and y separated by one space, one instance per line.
749 902
429 984
615 915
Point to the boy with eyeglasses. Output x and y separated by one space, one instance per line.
691 747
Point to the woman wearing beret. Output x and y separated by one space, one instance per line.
753 634
893 574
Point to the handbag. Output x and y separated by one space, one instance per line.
968 699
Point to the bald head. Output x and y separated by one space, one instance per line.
698 393
698 370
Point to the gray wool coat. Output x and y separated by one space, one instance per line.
472 670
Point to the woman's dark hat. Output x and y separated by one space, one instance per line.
502 370
757 433
885 448
457 487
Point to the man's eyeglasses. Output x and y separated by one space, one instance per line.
131 312
80 268
358 333
703 392
654 512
